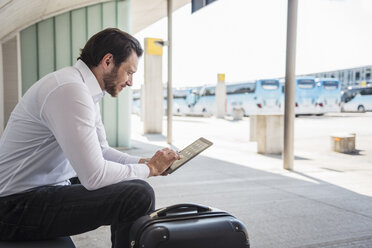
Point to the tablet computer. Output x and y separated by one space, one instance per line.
189 153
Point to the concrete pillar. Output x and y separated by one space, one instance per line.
253 128
221 96
290 78
270 134
11 78
1 92
153 97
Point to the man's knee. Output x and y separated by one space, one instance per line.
137 197
145 193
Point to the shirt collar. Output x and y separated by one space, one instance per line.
90 80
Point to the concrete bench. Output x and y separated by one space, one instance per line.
63 242
343 142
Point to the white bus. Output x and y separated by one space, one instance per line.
268 95
306 99
329 96
357 98
202 100
256 97
241 96
179 107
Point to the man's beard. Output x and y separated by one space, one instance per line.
110 82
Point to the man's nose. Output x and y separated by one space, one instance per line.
130 81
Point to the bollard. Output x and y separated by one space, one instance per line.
343 142
238 114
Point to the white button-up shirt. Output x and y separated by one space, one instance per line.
55 132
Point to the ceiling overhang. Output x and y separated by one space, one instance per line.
147 12
15 15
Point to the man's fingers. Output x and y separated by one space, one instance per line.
163 159
174 155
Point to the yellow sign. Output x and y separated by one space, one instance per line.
152 47
363 83
221 77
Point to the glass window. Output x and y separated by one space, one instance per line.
357 75
366 91
180 93
368 73
270 84
306 84
348 95
240 88
330 85
210 91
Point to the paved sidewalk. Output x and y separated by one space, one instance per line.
325 202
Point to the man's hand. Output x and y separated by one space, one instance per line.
161 161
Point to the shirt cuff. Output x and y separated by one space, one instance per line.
132 160
143 171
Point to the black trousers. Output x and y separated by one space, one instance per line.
54 211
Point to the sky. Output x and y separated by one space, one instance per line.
246 39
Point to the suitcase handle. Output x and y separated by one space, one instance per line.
180 208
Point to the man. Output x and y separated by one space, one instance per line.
55 133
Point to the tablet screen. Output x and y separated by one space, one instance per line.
190 152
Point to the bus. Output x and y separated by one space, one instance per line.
261 96
357 98
179 101
268 95
306 99
202 100
306 96
241 96
329 95
180 106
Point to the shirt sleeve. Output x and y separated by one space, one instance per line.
108 152
69 112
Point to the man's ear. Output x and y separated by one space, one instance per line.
107 61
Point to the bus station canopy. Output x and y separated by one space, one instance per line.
16 15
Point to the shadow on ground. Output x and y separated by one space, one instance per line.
292 209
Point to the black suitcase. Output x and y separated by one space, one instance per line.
188 226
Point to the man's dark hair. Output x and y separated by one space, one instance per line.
110 40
